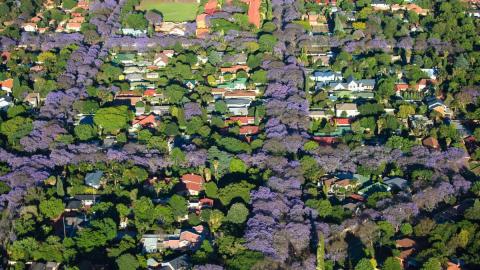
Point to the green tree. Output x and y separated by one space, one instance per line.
385 88
85 132
211 190
16 128
235 190
321 252
51 208
405 110
112 119
135 21
178 205
142 210
392 263
204 253
127 262
237 213
267 42
175 93
364 264
108 73
59 186
432 264
69 4
97 235
473 213
237 165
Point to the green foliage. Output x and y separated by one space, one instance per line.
16 128
204 254
16 110
310 168
406 229
85 132
473 213
127 262
364 264
112 119
51 208
398 142
267 42
234 145
179 206
97 235
142 209
211 190
69 4
235 190
237 166
135 21
432 264
323 207
237 213
392 263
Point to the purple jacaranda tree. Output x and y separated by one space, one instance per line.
192 109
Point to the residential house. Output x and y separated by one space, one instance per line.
396 183
7 85
125 58
249 130
32 99
335 185
234 69
133 32
211 7
134 77
73 26
172 28
246 94
161 59
190 84
424 83
401 87
253 12
87 200
420 122
44 266
130 97
435 104
94 179
193 183
431 143
83 4
144 121
29 27
238 106
342 121
346 109
405 243
134 69
380 5
416 9
5 102
240 120
326 76
179 263
73 205
160 110
319 114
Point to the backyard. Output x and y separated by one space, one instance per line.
179 11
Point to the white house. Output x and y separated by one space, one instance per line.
349 109
326 76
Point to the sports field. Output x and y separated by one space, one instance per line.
172 11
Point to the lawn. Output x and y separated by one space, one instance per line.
172 12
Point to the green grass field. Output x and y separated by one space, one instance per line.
172 12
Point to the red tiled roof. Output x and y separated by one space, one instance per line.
211 6
240 93
8 83
242 120
189 236
405 243
144 120
149 93
342 121
193 182
431 142
249 130
357 197
253 11
206 201
401 87
326 140
234 69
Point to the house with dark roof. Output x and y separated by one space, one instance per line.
179 263
396 183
